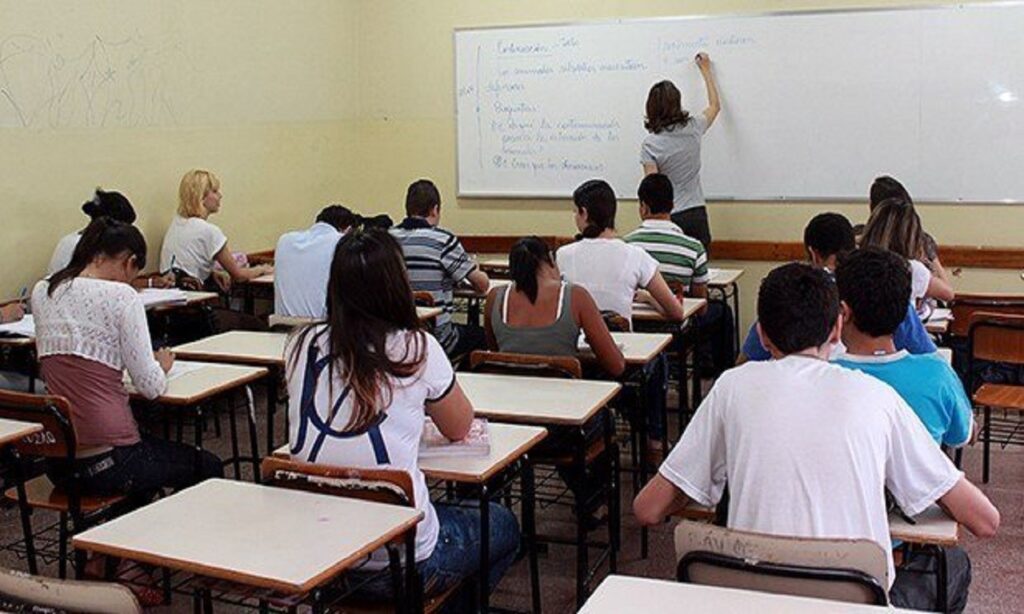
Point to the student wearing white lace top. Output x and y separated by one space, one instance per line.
194 245
90 328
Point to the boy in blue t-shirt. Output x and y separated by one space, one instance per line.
874 285
826 237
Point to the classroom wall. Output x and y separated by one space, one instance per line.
130 94
407 130
298 104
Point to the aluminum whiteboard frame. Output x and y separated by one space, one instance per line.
729 199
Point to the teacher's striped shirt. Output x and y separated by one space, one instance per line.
681 259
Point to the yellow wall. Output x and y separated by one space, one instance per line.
385 69
261 93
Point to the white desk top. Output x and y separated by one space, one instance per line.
192 299
276 538
466 292
13 430
237 347
423 313
618 594
932 526
724 277
536 400
263 280
637 348
644 312
508 443
208 380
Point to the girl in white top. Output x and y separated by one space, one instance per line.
103 204
895 226
610 269
193 245
360 387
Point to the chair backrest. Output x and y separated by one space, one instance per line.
57 439
423 299
506 363
853 570
389 486
997 337
965 305
65 595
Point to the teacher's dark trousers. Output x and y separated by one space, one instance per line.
694 223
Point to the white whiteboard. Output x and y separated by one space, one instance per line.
815 105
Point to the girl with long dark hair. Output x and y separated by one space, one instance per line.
361 385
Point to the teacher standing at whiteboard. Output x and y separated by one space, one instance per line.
673 149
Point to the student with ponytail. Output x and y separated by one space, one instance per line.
360 387
611 270
103 204
90 328
541 314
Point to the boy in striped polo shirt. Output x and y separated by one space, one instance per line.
437 263
682 260
683 263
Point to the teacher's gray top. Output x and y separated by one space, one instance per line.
676 152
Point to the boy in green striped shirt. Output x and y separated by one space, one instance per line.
682 260
683 263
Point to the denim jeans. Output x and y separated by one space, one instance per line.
916 585
140 470
457 554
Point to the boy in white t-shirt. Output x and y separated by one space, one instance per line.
807 447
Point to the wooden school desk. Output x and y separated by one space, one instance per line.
11 431
724 283
557 403
238 347
640 350
284 540
274 320
488 476
475 300
934 531
618 594
195 389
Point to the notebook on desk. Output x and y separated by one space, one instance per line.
153 297
25 327
434 444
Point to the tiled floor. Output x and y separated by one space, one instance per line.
998 586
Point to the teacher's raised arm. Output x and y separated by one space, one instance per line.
672 148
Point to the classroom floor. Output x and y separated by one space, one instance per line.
997 588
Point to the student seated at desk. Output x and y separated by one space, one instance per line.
894 225
883 188
541 314
610 269
103 204
683 263
873 285
437 263
193 245
827 237
361 385
91 327
302 262
808 447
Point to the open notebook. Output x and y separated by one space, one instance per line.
152 297
434 444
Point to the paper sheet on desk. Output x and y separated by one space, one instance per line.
178 369
583 346
151 297
940 314
25 327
